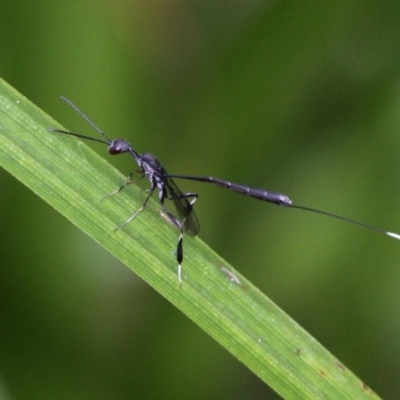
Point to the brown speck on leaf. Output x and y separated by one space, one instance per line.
366 387
340 365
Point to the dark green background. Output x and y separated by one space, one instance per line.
298 97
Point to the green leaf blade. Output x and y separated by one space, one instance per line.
73 179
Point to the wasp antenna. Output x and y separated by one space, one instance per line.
86 118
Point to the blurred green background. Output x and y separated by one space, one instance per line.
298 97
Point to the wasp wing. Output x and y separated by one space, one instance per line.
185 211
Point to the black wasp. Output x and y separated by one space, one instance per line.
160 180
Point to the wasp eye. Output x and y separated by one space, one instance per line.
118 146
114 149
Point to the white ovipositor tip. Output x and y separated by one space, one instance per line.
393 235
